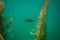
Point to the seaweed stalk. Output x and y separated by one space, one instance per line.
2 4
41 26
1 37
1 19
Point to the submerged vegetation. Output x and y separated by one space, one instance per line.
40 33
41 26
2 4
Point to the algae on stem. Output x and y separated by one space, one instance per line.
41 28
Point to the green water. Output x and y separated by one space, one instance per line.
20 10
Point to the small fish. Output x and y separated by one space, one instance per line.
29 20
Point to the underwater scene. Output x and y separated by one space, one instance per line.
29 19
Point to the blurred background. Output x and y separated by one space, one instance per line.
21 10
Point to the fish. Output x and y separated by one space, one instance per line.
29 20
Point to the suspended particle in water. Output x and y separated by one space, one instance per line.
32 33
33 30
35 39
12 35
10 22
9 30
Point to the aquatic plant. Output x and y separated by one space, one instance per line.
2 4
40 32
41 26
